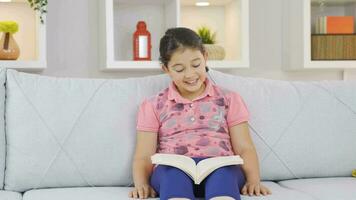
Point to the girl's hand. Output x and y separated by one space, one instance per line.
255 188
142 191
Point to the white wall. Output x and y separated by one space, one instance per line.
72 43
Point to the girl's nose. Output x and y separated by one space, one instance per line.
189 72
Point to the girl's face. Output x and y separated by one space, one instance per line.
187 70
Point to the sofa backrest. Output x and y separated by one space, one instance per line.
65 132
301 129
2 125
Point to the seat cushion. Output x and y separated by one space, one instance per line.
8 195
114 193
279 193
325 188
294 122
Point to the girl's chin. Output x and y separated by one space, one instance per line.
192 89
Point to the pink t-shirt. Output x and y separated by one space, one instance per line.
198 128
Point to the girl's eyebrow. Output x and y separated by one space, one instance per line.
176 64
195 59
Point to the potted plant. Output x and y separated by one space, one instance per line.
9 50
215 52
39 6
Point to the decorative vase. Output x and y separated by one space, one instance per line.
215 52
9 50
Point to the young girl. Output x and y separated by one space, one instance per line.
195 118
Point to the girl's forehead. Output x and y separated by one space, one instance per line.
186 53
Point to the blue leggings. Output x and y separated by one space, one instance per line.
170 182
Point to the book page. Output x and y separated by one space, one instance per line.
184 163
205 167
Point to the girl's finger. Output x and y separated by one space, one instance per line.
251 189
257 190
153 192
140 193
134 194
146 192
244 190
267 191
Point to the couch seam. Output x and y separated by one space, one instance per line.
5 132
284 132
271 150
303 192
65 140
335 97
61 148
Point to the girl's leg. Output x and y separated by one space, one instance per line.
178 199
170 182
225 182
222 198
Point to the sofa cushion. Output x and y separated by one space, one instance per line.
79 193
300 128
8 195
2 125
65 132
114 193
342 188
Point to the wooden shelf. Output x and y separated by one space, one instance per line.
118 19
299 26
31 36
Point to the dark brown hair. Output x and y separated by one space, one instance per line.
176 38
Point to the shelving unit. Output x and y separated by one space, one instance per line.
118 18
299 25
31 36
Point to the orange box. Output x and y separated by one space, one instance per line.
340 24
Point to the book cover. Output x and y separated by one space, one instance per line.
197 172
339 24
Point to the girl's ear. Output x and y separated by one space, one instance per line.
164 68
205 55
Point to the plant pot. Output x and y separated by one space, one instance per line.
215 52
9 50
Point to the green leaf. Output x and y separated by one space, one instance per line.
206 35
9 26
39 6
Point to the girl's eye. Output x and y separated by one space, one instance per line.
196 65
179 70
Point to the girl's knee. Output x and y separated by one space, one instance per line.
179 199
171 174
222 198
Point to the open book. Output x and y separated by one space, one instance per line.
196 172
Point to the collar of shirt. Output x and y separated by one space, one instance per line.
173 93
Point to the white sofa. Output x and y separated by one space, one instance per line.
73 138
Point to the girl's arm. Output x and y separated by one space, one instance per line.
243 146
146 144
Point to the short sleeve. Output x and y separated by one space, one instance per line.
147 119
237 110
